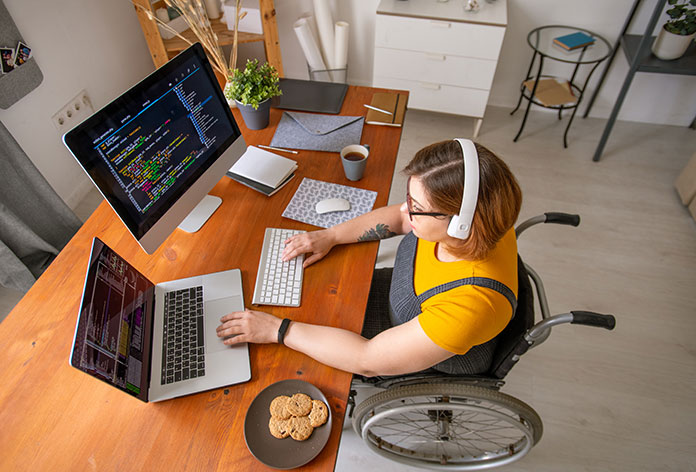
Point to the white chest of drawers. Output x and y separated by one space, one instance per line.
445 56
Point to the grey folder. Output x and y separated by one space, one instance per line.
317 132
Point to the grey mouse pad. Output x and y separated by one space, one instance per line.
310 192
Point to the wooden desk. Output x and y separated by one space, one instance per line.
54 417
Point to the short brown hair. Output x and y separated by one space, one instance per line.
440 167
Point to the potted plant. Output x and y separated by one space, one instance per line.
252 89
676 35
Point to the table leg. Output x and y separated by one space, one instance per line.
531 96
529 71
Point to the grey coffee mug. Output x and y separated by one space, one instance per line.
354 159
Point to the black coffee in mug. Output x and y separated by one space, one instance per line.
354 156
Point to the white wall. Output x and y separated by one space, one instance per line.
96 45
652 98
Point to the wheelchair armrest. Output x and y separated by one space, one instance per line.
550 217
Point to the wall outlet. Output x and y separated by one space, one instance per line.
73 113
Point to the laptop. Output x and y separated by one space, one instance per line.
156 342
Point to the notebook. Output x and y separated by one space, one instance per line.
121 330
262 170
393 103
574 40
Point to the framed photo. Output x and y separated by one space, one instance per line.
7 60
22 54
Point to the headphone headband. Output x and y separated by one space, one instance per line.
460 225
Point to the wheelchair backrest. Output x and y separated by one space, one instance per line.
511 340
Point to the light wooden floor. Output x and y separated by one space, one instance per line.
610 401
623 400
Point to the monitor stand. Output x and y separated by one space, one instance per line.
200 214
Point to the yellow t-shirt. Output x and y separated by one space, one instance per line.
469 315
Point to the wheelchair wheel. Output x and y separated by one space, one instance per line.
447 426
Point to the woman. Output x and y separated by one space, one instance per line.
439 323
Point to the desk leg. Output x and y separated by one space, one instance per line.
477 127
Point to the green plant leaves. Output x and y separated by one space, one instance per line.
682 18
254 84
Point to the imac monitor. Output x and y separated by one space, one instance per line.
156 151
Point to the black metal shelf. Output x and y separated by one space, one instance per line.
685 65
640 58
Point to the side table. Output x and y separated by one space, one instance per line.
562 94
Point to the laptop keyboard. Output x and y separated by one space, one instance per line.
278 282
183 352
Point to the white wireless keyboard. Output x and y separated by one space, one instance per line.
278 282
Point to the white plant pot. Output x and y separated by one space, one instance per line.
669 46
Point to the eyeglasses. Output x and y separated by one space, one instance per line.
409 206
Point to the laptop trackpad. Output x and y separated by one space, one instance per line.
214 310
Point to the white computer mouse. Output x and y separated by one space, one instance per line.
332 204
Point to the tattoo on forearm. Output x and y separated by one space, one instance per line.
381 231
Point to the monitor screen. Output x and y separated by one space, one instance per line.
155 151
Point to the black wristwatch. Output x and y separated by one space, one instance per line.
282 330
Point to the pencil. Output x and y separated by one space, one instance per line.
277 149
377 109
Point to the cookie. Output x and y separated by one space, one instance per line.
319 413
279 428
299 405
300 428
279 407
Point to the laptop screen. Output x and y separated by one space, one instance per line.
113 334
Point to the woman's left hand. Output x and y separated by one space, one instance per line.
249 326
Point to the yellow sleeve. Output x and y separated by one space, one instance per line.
464 317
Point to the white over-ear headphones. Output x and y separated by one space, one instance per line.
460 225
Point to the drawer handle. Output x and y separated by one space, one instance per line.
436 57
440 24
430 86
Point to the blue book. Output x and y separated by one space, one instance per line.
574 40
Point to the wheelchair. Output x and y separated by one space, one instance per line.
452 422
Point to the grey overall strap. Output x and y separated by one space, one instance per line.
406 305
493 284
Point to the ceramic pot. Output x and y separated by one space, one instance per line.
256 119
669 46
225 91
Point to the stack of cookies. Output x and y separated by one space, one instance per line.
296 416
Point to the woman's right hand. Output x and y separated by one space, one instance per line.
315 243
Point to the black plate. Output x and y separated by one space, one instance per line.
283 453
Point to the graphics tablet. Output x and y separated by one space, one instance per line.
309 95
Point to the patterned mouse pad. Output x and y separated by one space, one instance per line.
310 191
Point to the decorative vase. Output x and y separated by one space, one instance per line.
669 46
256 119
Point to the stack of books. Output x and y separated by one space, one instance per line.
262 170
